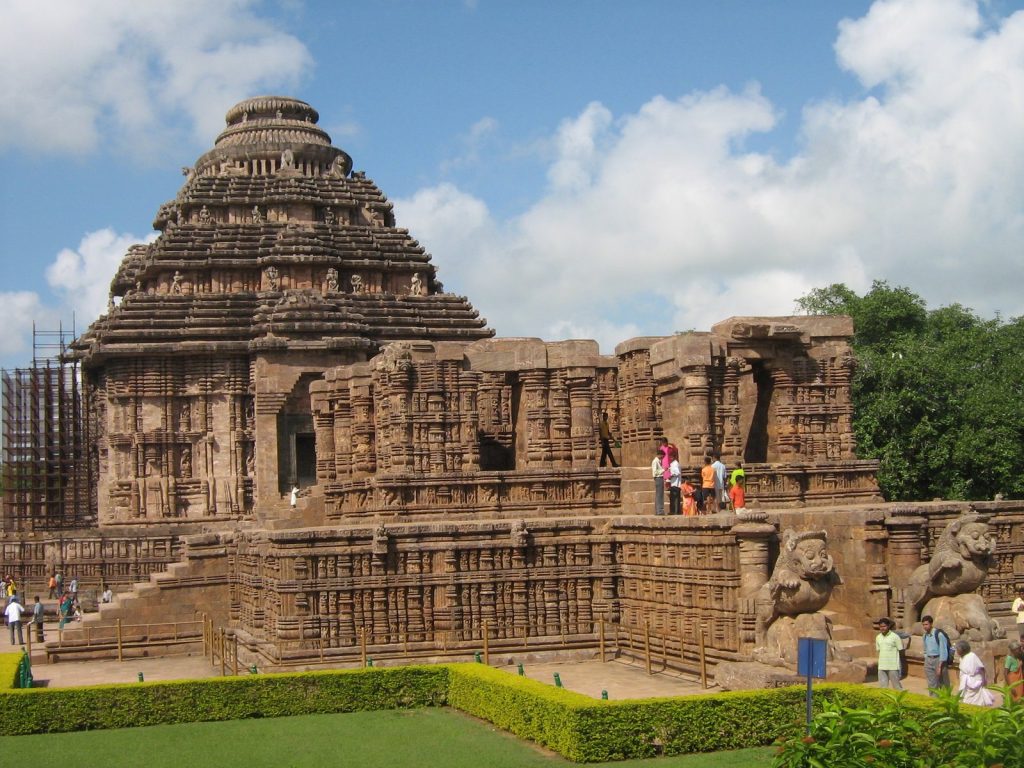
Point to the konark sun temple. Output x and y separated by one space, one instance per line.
286 433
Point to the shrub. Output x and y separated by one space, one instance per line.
9 664
222 698
900 731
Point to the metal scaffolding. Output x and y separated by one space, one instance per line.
49 462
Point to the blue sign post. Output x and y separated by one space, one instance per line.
810 662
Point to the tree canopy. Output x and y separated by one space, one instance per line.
938 394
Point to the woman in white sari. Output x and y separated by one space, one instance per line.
973 677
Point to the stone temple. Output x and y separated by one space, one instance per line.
299 433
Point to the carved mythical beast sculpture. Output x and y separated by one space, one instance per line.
788 604
944 587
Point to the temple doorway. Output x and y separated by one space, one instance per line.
755 450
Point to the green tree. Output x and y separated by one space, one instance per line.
938 395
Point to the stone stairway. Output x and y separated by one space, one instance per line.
160 615
638 491
852 640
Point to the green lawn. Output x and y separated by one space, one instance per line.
394 738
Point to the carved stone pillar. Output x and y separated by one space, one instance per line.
903 553
753 534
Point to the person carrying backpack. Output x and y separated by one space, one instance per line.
937 652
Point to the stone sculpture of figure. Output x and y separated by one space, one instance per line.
332 280
153 498
273 279
357 283
185 417
329 217
185 467
380 540
287 160
257 215
204 215
520 535
110 304
416 285
945 587
789 604
176 282
250 462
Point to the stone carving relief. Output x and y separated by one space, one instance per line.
945 587
272 278
416 285
789 604
176 282
332 280
287 160
357 284
205 217
257 215
329 218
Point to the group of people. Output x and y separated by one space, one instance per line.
68 606
938 654
706 494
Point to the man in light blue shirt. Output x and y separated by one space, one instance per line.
936 655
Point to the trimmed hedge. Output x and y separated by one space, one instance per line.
577 727
223 698
9 663
586 730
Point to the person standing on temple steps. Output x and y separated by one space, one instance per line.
658 473
606 440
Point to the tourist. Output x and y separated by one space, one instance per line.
1018 608
606 440
37 619
973 677
53 585
675 482
736 474
1013 670
73 587
64 609
689 493
658 474
108 595
709 499
294 495
13 614
936 655
737 493
60 583
889 646
720 493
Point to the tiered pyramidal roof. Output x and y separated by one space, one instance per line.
273 242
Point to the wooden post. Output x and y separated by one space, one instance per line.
120 647
30 628
647 646
362 645
487 647
205 637
234 667
600 637
703 661
664 652
223 659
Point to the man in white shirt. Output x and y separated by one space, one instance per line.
1018 608
720 492
658 472
13 615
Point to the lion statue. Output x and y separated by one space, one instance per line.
945 586
789 604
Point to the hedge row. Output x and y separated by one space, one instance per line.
9 663
585 730
54 710
578 727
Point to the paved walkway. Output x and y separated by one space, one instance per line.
622 678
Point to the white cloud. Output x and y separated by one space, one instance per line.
660 220
84 71
21 310
81 277
471 143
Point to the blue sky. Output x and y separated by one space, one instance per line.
578 169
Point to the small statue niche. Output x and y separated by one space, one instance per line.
358 286
416 285
332 280
205 217
329 218
176 282
257 215
273 278
185 466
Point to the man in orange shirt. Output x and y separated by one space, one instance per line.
707 487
